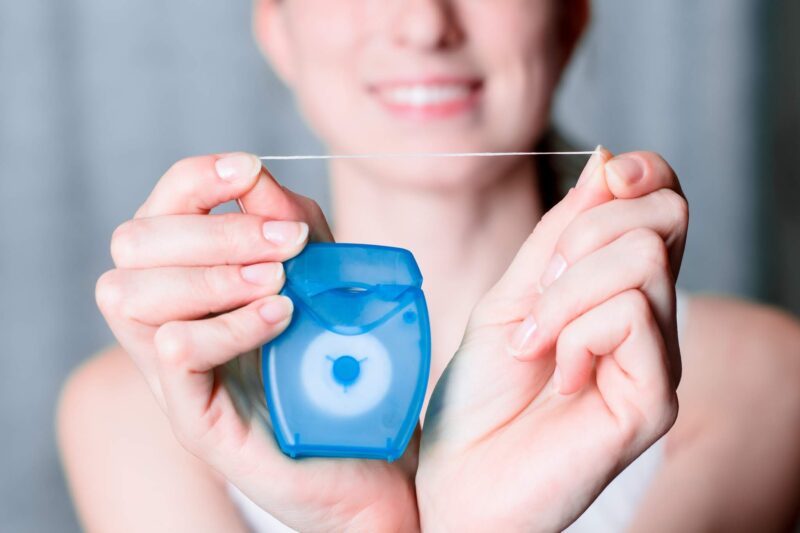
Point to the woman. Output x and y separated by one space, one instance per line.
526 426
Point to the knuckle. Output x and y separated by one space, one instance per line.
220 279
237 336
181 178
173 344
214 281
650 250
123 242
583 236
230 233
636 306
182 186
198 166
316 209
676 205
287 203
180 167
310 206
109 293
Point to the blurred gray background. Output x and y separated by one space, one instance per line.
98 98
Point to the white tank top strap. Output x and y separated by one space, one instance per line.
257 519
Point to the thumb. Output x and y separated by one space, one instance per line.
521 280
637 174
269 198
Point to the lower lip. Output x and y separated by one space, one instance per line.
432 111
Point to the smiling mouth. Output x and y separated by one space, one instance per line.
428 99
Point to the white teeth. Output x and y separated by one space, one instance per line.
422 95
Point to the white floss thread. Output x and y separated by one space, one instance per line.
400 155
403 155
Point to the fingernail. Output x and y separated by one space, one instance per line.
557 379
276 309
285 233
628 170
591 165
237 166
262 274
522 337
554 269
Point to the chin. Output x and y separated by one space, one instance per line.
445 175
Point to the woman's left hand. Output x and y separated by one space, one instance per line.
569 365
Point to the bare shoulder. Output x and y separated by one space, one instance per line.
741 352
733 454
750 324
125 469
741 373
105 398
109 376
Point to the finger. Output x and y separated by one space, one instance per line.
636 174
198 184
201 240
187 352
269 198
637 260
663 211
521 279
620 340
601 331
155 296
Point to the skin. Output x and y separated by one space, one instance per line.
501 429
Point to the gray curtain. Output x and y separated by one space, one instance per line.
682 78
98 98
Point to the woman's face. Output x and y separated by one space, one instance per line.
422 76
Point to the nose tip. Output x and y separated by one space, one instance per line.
427 24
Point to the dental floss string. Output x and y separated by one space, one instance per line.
403 155
400 155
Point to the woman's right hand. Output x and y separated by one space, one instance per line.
191 291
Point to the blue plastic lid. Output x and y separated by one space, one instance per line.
348 376
324 266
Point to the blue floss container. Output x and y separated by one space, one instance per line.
347 378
